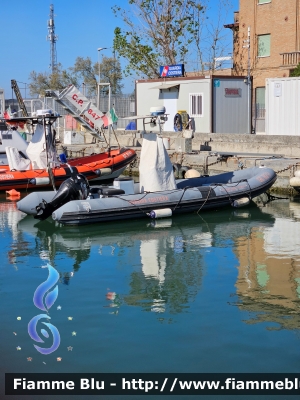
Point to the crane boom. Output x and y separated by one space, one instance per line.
15 87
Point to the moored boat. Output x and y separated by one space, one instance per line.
156 195
28 166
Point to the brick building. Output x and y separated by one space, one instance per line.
273 30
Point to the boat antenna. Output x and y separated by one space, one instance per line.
52 38
50 172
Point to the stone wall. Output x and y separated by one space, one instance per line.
288 146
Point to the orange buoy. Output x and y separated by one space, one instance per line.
13 193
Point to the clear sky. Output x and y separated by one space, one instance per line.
82 27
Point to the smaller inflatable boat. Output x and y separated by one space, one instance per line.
125 199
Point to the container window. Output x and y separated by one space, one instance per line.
263 45
264 1
196 105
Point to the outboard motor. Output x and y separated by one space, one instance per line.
74 188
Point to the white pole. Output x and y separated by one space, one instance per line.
109 127
99 81
249 84
247 46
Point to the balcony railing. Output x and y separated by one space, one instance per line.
290 59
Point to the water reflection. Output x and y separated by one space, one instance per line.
268 281
9 218
170 269
168 259
170 252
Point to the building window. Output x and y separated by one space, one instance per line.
263 45
264 1
260 102
196 105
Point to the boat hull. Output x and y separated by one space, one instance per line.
115 161
191 195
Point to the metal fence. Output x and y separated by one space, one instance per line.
124 106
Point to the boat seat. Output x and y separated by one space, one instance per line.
15 161
112 192
104 191
98 189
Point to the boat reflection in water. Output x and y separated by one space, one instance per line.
169 258
9 218
154 250
193 293
268 283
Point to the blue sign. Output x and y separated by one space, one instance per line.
216 82
167 71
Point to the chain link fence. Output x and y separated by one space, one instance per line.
124 106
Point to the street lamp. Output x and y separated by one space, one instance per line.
247 46
99 49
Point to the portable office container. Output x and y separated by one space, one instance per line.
214 104
282 106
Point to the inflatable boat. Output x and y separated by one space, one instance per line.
157 194
104 166
36 165
124 200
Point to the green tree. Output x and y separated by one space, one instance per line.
160 32
83 71
296 71
111 72
42 81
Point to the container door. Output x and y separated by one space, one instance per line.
231 106
170 102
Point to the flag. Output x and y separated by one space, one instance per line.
109 118
113 115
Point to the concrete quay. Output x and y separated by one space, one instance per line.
213 153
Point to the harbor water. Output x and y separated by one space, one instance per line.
217 292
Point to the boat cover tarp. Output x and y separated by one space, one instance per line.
156 169
36 149
15 161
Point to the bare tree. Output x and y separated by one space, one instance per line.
210 39
160 32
